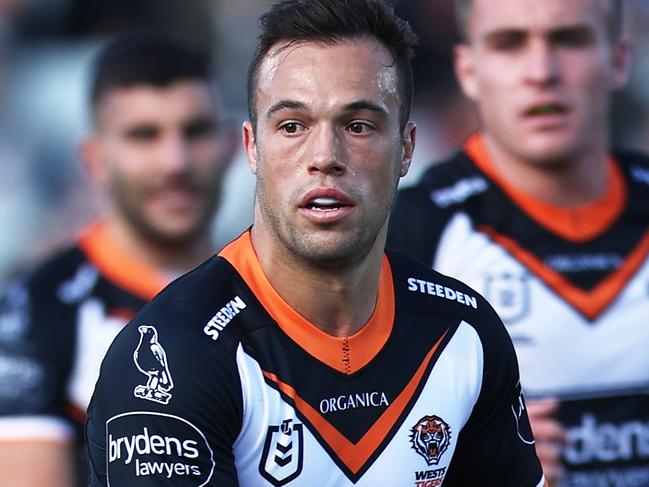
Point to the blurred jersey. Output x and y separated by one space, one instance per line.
572 287
55 327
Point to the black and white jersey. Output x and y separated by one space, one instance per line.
55 326
572 287
218 381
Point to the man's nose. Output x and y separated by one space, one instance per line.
543 65
326 151
174 152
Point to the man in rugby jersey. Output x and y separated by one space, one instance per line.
303 354
542 217
157 153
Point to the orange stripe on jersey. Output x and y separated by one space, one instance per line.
573 224
119 267
345 354
356 455
589 303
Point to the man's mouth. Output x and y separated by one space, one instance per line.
325 204
547 109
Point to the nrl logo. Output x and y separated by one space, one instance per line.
430 437
281 461
151 359
510 296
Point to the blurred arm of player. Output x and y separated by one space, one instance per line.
37 464
549 434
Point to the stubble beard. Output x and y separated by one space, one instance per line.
131 210
327 247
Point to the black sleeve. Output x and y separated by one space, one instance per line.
167 407
496 446
36 352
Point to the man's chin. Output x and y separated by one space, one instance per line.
548 148
173 236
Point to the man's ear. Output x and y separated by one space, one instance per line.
622 55
408 141
463 62
92 160
250 145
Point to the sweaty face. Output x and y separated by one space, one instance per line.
327 150
541 73
162 156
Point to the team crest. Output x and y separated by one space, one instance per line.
281 461
151 359
430 437
509 295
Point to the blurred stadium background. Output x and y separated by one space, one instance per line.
45 50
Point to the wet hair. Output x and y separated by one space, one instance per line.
331 22
462 8
144 59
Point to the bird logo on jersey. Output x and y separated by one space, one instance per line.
430 437
151 359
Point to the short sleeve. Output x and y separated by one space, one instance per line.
496 446
35 358
167 407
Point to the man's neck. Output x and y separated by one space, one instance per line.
170 261
339 301
577 181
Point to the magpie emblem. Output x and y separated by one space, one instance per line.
151 359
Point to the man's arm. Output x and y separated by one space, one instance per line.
550 435
496 446
37 464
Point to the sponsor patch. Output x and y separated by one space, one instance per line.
430 437
281 461
146 447
225 315
151 359
434 289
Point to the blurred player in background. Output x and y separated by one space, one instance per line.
158 153
551 226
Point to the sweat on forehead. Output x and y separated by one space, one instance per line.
330 21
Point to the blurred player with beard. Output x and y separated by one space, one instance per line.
538 214
158 153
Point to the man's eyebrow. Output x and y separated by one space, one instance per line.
284 105
366 105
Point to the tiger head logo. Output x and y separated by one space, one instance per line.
430 437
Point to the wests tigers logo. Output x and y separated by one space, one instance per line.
430 437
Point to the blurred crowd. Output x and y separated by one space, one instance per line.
45 52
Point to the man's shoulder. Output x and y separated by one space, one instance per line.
53 278
54 268
635 164
421 289
184 309
444 186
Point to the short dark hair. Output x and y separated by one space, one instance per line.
145 59
614 21
332 21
